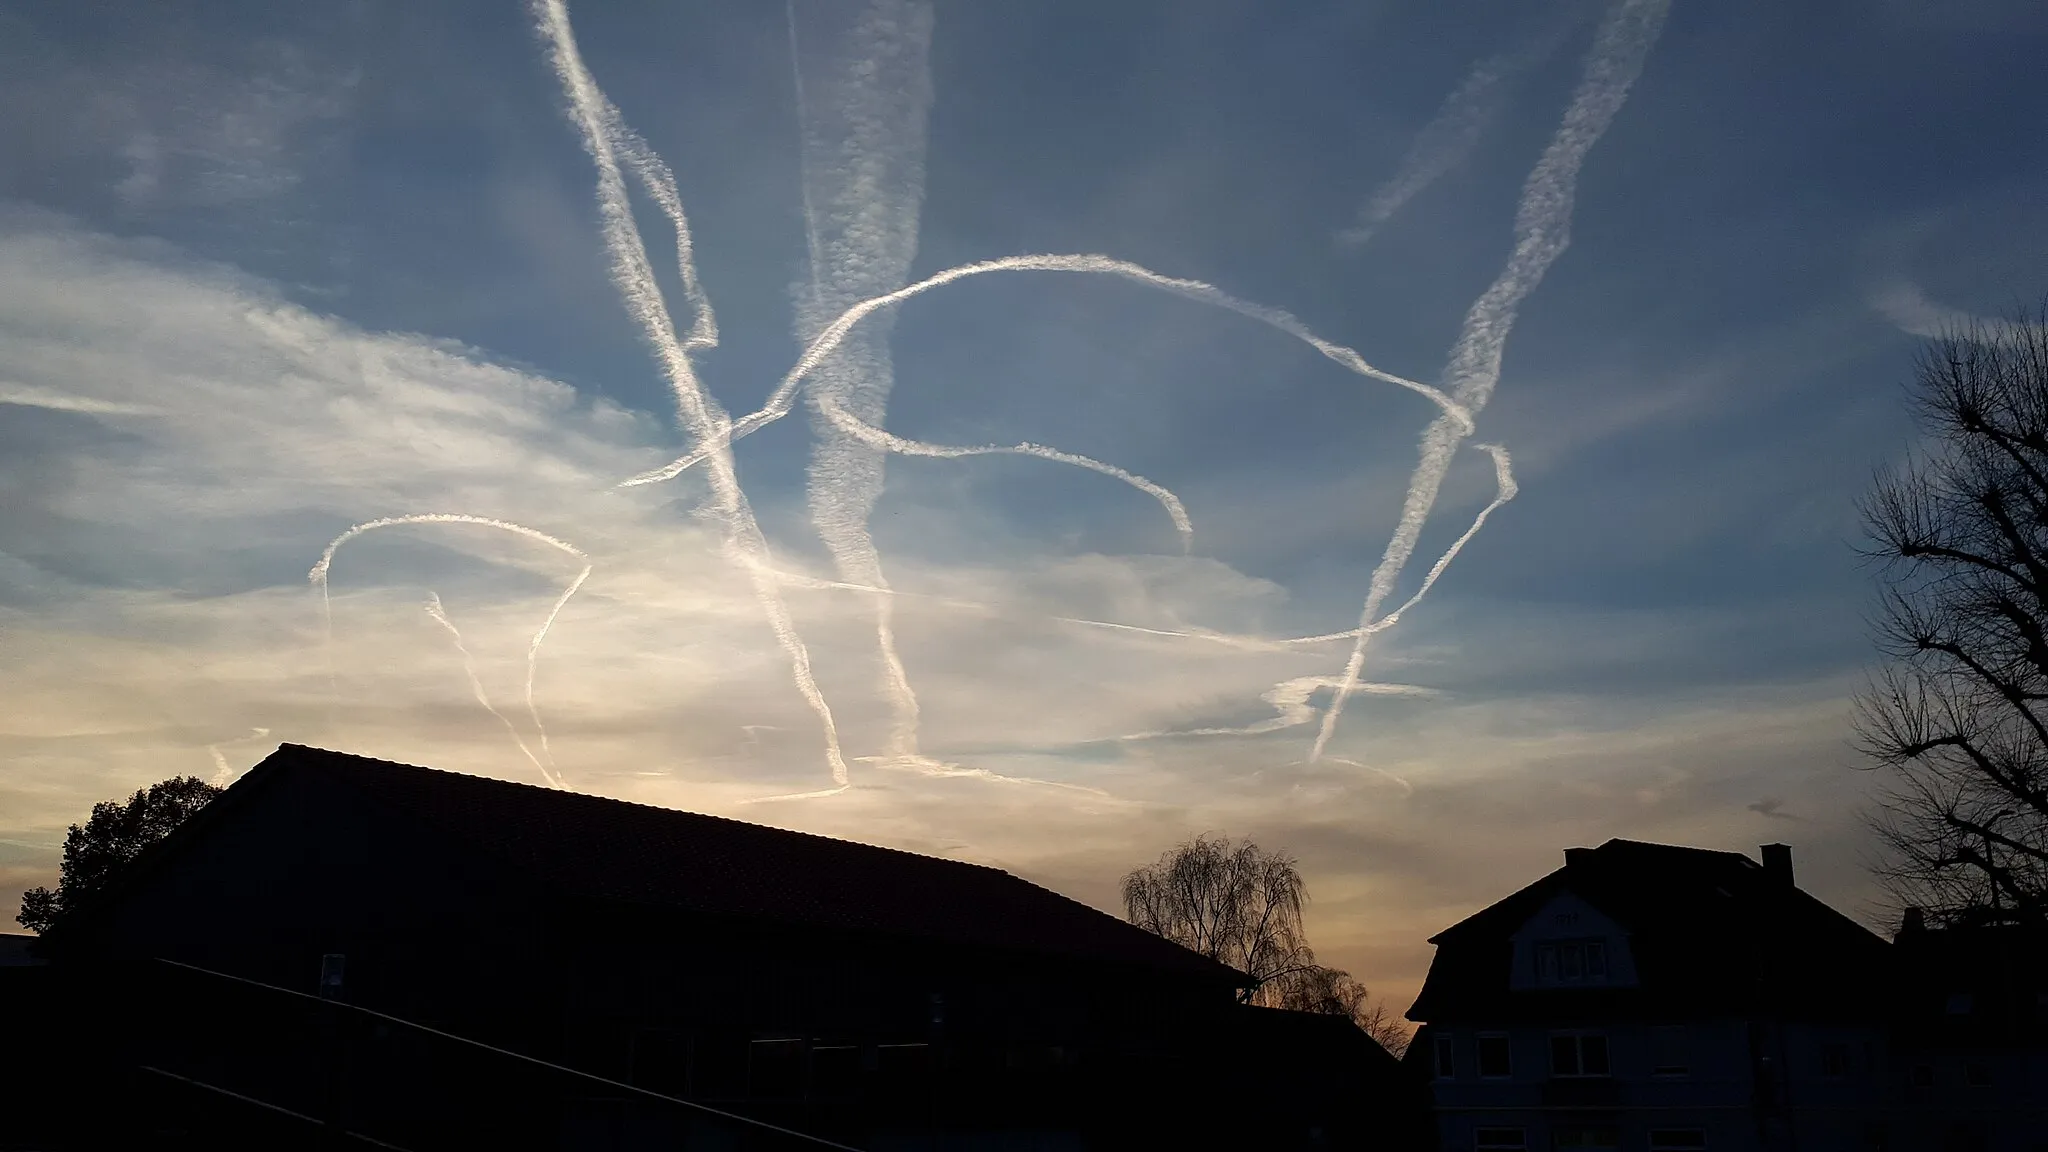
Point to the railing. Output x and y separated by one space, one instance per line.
236 1053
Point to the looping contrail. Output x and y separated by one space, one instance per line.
318 577
781 399
875 437
1542 232
476 686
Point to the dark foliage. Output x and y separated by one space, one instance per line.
113 835
1958 717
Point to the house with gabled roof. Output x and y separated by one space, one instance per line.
865 995
1653 997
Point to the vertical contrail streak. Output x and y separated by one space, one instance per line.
862 124
1542 231
702 418
318 577
1449 136
476 686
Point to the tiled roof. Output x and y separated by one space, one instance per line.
1703 926
591 847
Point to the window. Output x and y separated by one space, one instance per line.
1578 1054
1494 1058
1960 1003
1923 1075
775 1068
1574 1139
1977 1075
835 1066
1668 1055
1446 1059
1571 962
1500 1140
1834 1060
1677 1139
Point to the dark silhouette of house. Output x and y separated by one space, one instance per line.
439 960
1971 1036
1656 997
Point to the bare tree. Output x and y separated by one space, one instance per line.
1958 716
1241 905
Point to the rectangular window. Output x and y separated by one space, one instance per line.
1572 1138
1571 962
1500 1140
1677 1139
1446 1059
1668 1055
1977 1075
1834 1060
1923 1075
1578 1054
835 1067
1546 963
775 1068
1573 966
1596 960
1494 1060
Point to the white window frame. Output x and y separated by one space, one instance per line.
1582 955
1578 1037
1683 1048
1479 1060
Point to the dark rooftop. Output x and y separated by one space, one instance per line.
614 851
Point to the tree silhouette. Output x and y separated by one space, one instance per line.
1241 905
112 836
1958 717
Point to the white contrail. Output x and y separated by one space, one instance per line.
1291 707
476 685
1542 231
702 418
877 438
778 404
863 142
222 772
318 576
1450 135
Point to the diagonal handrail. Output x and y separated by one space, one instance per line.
577 1073
267 1106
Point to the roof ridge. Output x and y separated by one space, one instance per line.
594 797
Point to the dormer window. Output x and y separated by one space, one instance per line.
1571 962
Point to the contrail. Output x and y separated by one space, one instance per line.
778 404
476 685
1451 134
1542 231
1290 701
862 126
222 772
877 438
702 418
318 577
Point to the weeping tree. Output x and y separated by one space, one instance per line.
1956 720
1241 905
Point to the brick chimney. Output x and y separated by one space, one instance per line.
1778 863
1577 856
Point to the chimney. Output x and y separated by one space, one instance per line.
1577 856
1912 922
1778 863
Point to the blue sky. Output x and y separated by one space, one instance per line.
273 271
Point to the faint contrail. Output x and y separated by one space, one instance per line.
476 685
222 772
318 576
875 437
1542 231
701 416
1290 701
1450 135
779 400
862 125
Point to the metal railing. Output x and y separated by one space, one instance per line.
366 1078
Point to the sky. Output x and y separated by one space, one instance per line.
1427 435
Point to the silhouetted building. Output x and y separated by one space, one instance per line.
1654 997
1972 1037
875 997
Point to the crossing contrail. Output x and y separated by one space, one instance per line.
779 401
476 686
1542 231
318 577
1451 134
862 119
706 423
